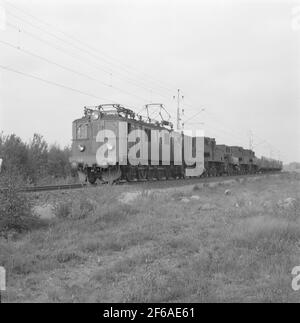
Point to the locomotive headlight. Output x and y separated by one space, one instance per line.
95 115
81 148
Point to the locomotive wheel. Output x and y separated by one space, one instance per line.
150 173
142 173
175 172
92 178
157 174
111 174
182 173
131 174
214 172
167 173
172 172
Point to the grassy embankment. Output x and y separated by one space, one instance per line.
161 247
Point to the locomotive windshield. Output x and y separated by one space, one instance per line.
82 131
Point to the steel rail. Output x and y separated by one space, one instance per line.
162 182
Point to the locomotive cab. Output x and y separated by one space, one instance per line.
85 142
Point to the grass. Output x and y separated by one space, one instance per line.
160 249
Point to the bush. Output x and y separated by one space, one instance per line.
15 207
58 162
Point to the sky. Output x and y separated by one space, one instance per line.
236 63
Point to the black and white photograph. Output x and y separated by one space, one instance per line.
149 154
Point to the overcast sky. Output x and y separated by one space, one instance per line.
237 59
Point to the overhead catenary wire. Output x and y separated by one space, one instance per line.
237 138
82 50
7 68
86 45
26 32
68 69
235 133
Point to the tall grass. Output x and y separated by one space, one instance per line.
158 249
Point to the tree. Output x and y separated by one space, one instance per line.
38 158
58 161
33 162
14 154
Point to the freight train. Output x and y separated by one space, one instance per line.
218 160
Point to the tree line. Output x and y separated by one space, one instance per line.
34 161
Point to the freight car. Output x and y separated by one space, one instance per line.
218 160
265 164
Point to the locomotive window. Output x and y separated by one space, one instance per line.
82 131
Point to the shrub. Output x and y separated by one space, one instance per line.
15 207
58 162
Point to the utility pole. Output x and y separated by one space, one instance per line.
250 140
179 98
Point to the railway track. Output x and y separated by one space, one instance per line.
194 180
47 188
147 183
